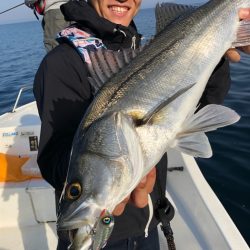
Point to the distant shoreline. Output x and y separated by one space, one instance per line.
20 21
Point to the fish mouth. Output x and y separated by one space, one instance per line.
80 232
78 218
72 234
81 237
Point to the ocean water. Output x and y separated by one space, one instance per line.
21 50
228 171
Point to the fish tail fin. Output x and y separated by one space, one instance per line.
243 34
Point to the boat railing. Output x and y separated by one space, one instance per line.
24 88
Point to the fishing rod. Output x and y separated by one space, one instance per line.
11 8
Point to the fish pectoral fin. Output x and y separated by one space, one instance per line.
196 145
166 13
106 63
243 34
192 140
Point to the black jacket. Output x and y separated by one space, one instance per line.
63 94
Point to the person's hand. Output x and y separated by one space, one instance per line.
233 54
139 196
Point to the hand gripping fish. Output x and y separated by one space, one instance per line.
146 104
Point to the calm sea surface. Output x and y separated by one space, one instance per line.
228 171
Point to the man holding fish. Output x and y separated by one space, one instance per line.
67 81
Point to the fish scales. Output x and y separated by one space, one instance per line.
157 62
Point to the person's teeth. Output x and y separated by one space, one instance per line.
119 9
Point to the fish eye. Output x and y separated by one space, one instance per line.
74 191
106 220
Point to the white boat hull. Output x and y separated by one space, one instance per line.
27 217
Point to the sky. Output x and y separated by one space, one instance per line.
23 13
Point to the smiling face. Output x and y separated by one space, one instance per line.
117 11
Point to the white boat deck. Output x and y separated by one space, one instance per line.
26 115
27 209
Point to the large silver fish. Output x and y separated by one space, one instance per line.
142 110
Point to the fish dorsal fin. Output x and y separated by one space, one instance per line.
166 13
192 140
243 34
105 63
